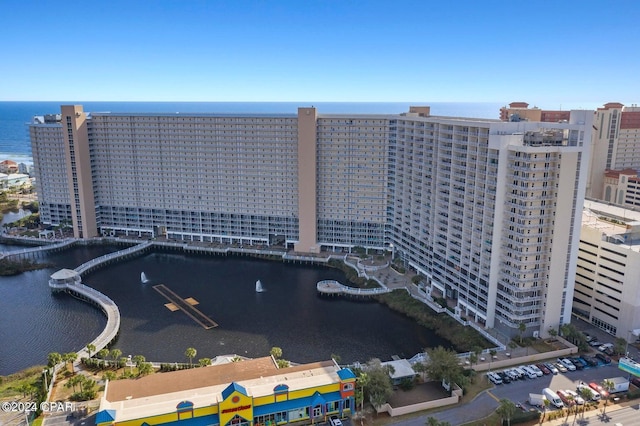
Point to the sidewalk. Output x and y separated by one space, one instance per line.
594 417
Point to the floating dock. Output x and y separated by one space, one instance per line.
185 305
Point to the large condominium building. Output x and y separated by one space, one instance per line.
616 144
607 290
485 210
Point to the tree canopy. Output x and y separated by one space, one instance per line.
379 386
443 364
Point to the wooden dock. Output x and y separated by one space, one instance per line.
185 306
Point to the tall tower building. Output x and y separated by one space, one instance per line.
616 144
484 210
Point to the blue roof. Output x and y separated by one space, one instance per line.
105 416
296 403
346 373
232 388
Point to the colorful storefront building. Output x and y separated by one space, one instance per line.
247 393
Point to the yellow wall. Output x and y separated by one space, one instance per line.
270 399
235 408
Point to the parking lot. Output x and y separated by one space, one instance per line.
519 390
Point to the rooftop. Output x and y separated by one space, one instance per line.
157 393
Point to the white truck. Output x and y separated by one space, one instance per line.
620 384
536 399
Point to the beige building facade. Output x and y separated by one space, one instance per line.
607 288
484 210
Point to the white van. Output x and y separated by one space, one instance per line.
495 379
553 397
529 372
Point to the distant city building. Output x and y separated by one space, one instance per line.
24 168
251 392
616 144
520 111
622 187
8 167
484 210
607 289
14 180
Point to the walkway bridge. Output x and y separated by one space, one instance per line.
332 287
112 257
69 281
35 251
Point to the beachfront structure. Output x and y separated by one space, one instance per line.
622 187
519 111
247 393
616 144
485 210
607 288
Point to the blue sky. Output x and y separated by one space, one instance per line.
543 52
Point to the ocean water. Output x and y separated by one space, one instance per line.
15 116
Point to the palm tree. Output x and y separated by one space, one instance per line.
587 395
109 375
91 348
145 368
138 360
190 353
54 358
363 381
74 381
506 410
521 329
203 362
115 354
609 386
276 352
70 357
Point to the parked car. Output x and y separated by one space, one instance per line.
573 394
536 370
568 364
608 351
591 361
576 363
335 421
524 373
544 369
595 396
529 372
604 346
494 378
515 375
595 343
560 366
551 367
505 377
587 337
604 358
596 387
579 361
568 401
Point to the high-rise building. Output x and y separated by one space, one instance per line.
607 289
519 111
616 144
485 210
